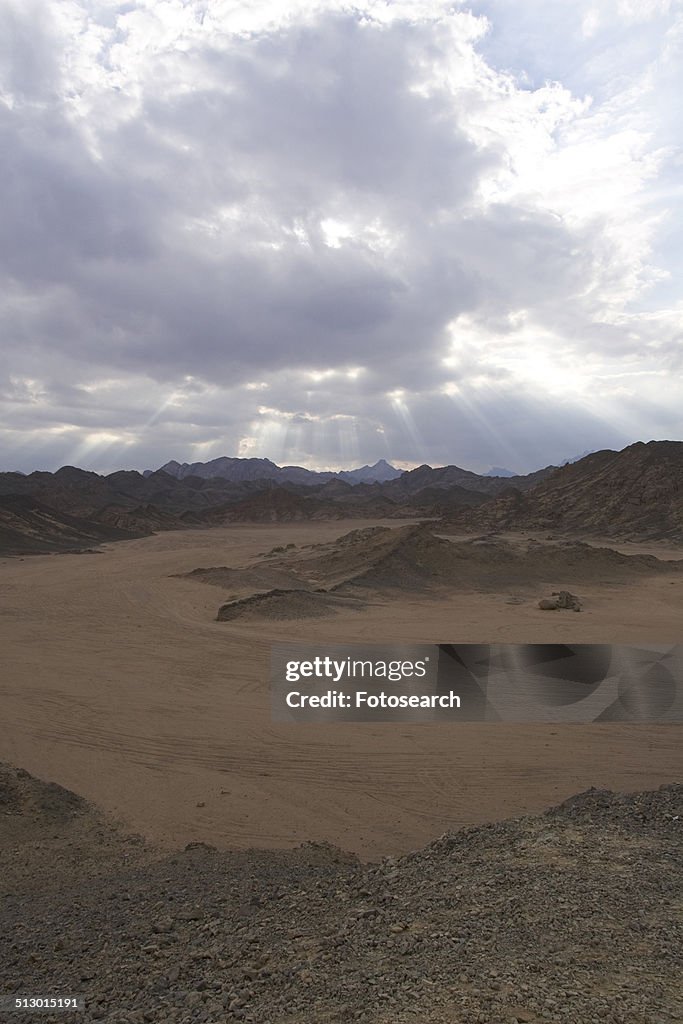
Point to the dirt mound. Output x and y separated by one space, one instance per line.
577 561
51 840
307 582
416 557
283 604
241 579
22 794
413 557
30 807
355 554
650 812
361 536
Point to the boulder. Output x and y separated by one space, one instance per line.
561 599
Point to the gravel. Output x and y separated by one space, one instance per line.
569 917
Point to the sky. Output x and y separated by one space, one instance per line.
329 233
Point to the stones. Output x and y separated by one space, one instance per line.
481 925
190 914
567 600
561 599
164 924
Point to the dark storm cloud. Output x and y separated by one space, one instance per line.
330 124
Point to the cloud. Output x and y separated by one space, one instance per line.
397 198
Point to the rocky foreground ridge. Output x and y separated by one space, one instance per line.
574 916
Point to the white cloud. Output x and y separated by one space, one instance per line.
208 202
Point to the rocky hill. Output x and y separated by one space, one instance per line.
450 477
636 493
82 493
142 519
138 504
281 505
28 527
565 917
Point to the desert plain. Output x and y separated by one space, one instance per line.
119 683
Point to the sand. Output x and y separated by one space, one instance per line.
117 682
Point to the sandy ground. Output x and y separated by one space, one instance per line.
116 682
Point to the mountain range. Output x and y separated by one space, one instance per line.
237 470
635 493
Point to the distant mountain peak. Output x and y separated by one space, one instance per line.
381 472
239 469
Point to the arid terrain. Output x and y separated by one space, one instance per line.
566 917
172 853
119 683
